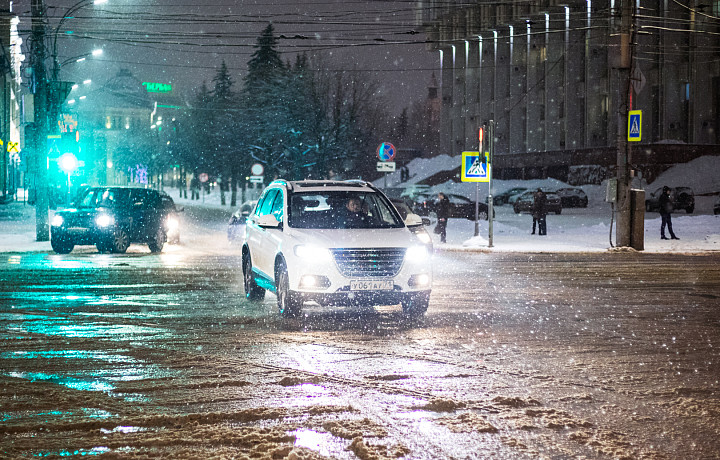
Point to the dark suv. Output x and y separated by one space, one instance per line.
113 217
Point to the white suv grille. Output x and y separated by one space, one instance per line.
376 262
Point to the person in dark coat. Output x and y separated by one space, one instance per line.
353 215
666 208
539 212
442 209
194 188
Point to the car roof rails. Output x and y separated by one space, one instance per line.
284 182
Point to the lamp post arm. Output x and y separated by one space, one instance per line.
67 15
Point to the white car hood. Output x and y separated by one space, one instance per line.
356 238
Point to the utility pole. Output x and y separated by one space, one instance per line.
624 98
42 198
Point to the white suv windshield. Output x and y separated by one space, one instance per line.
341 209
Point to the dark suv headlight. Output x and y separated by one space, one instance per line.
171 223
57 221
104 220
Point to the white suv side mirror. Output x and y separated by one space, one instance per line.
268 220
412 220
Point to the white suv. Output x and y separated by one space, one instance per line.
334 243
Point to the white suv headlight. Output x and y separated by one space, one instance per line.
103 220
312 253
416 253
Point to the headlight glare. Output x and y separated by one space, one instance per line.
312 253
103 220
57 221
172 223
417 253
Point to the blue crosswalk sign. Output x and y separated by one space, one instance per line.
634 125
474 167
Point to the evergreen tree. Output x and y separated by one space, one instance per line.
223 83
265 95
401 129
223 122
265 64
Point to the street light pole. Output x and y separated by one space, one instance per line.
47 95
40 84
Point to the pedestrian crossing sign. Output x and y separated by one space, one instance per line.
634 125
475 167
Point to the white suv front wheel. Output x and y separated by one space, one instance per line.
289 303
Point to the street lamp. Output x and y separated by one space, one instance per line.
46 98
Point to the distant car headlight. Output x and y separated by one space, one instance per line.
57 221
312 253
172 223
104 220
417 253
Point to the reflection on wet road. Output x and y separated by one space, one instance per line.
520 356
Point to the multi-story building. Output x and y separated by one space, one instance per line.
10 149
546 73
125 130
114 130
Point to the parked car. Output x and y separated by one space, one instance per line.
236 225
303 243
419 230
524 203
111 218
504 197
681 198
459 206
572 197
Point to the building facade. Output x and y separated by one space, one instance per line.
547 74
11 166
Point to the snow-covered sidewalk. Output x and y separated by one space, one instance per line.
575 230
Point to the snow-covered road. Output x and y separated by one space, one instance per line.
520 356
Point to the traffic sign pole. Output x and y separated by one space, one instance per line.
481 149
489 172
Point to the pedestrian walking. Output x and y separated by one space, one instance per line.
442 209
539 212
194 188
666 208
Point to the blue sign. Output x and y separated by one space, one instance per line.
474 167
634 125
386 151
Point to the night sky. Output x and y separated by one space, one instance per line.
183 42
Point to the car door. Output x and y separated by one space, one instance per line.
145 213
259 242
139 218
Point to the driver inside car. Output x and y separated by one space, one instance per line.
353 214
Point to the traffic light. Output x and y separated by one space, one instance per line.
481 137
69 143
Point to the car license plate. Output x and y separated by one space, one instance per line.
371 285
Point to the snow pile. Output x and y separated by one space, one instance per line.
700 174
